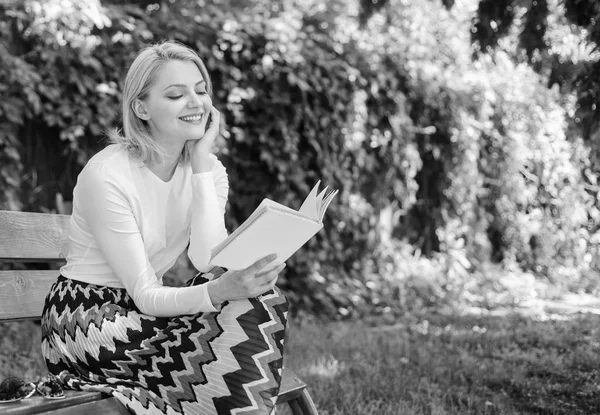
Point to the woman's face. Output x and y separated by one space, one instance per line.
177 105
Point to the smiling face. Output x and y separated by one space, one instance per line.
177 105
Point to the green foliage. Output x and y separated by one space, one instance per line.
443 163
496 20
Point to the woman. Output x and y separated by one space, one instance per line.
212 347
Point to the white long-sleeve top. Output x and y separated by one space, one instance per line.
128 227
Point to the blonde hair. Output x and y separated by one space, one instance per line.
135 136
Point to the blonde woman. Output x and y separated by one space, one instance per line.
212 347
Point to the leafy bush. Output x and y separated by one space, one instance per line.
443 163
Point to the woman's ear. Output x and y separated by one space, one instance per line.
140 109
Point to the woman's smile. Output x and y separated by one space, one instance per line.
193 119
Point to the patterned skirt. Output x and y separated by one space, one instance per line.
94 338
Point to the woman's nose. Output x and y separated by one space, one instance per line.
195 101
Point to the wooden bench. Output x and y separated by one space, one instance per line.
42 238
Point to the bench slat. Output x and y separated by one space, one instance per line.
91 403
34 237
109 406
291 386
38 404
22 293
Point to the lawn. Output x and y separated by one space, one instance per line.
505 362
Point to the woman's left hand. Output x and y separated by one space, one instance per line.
201 148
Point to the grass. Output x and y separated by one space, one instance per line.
439 364
504 364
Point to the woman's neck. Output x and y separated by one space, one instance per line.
165 169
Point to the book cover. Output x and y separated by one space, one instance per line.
273 228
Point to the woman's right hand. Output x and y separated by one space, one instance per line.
253 281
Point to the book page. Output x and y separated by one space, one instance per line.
309 207
325 203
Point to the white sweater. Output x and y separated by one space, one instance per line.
128 228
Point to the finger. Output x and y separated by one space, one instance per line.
260 264
213 128
275 267
265 280
269 278
269 286
271 267
214 121
215 117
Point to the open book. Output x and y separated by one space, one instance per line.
273 228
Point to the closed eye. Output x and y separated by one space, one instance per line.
176 97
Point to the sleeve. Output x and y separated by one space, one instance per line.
209 199
105 206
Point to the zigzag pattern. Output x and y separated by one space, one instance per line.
270 359
227 362
258 347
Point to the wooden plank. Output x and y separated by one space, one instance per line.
295 407
307 406
109 406
291 386
22 293
38 404
91 403
33 236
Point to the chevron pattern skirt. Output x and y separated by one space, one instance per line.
94 338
